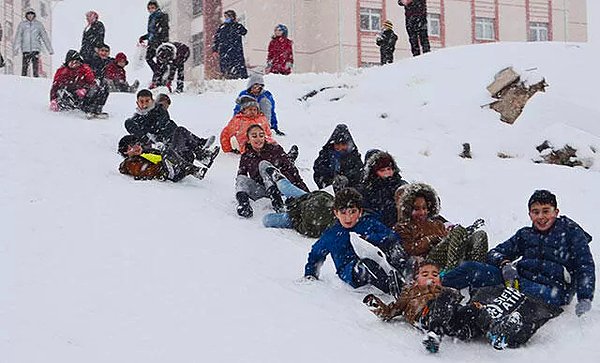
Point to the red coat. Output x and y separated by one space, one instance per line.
281 56
72 79
114 72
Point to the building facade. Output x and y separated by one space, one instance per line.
332 35
12 12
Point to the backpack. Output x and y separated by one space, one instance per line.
312 213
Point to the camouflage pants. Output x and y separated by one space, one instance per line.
459 246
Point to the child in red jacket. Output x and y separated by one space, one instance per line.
116 75
280 59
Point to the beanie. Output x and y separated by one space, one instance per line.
388 25
542 197
73 55
246 101
126 141
121 57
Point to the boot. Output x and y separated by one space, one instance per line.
243 209
274 174
276 200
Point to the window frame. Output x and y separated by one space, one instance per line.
485 23
372 14
536 27
431 18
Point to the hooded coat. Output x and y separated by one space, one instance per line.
30 36
265 100
72 79
274 154
559 258
379 194
238 126
330 163
93 37
419 237
228 43
113 71
280 57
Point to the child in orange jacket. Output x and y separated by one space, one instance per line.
233 136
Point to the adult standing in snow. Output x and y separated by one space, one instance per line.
386 41
29 37
415 13
228 46
280 58
266 102
170 59
93 36
158 32
1 58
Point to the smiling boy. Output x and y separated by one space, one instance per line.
554 259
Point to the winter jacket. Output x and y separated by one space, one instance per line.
280 58
378 194
99 65
29 37
153 125
336 241
266 102
386 41
311 213
413 299
93 37
72 79
330 163
415 8
174 52
238 126
559 258
228 43
113 71
158 29
274 154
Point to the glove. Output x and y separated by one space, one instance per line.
583 306
54 106
81 92
510 274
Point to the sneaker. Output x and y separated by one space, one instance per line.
209 142
293 153
274 174
200 172
207 157
432 342
504 328
134 86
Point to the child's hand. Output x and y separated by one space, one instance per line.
54 105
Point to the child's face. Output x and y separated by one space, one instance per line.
133 150
103 52
341 147
144 102
256 89
385 172
256 137
122 64
251 111
73 64
420 211
278 32
151 8
348 217
428 275
543 216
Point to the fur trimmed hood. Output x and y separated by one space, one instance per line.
372 158
405 199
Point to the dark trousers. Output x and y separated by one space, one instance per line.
186 144
150 54
387 57
416 27
93 101
34 58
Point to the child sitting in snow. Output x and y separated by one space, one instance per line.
264 98
426 237
234 135
504 316
116 76
347 208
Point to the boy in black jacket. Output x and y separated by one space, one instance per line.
415 13
386 41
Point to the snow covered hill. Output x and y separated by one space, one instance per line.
96 267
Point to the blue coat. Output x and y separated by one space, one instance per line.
228 43
336 241
267 106
552 258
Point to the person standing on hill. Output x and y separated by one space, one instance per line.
170 59
29 37
386 41
1 58
280 58
228 46
93 36
158 32
415 13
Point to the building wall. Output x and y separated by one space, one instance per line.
328 38
11 14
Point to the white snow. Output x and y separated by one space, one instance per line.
96 267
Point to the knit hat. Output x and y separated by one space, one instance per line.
246 101
121 57
388 25
125 142
255 78
73 55
542 197
283 29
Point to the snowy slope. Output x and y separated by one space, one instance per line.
96 267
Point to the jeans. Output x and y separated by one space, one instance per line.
476 274
283 220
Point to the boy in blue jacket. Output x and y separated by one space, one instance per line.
357 272
554 259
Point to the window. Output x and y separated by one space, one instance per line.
197 7
370 19
434 25
484 29
198 49
43 10
538 32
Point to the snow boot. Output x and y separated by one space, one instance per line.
134 86
276 200
432 342
503 329
274 174
243 209
293 153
